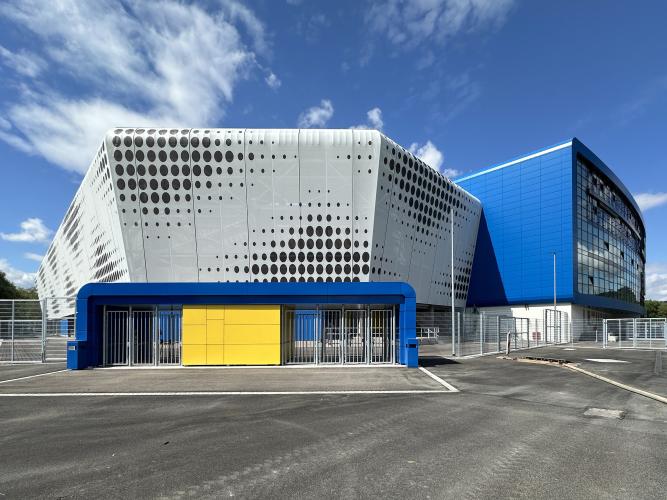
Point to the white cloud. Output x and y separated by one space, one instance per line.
316 116
22 62
373 120
34 256
163 63
647 201
20 278
33 230
656 281
433 157
273 81
408 23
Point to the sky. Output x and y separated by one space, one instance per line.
464 84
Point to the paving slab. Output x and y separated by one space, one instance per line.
209 379
12 371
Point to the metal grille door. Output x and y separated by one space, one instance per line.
142 337
382 335
169 337
300 336
116 326
342 336
331 342
355 341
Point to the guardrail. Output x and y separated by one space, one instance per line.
35 331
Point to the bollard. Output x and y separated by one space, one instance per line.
507 345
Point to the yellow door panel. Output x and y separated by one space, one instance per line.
194 355
252 315
265 354
214 355
215 312
194 315
214 331
252 334
194 334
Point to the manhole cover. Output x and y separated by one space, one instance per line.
604 413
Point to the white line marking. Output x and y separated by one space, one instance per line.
439 380
606 360
218 393
31 376
630 388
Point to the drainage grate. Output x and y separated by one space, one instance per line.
604 413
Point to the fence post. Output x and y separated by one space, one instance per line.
458 335
453 334
498 331
43 304
156 336
11 354
604 333
105 334
481 333
634 332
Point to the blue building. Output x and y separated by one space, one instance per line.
562 201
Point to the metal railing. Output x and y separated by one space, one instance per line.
35 331
480 334
339 336
635 333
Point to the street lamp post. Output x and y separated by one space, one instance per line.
451 226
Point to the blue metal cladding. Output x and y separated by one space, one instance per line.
86 349
527 216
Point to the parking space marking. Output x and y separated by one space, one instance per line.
31 376
439 380
220 393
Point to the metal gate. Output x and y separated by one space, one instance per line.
141 337
339 336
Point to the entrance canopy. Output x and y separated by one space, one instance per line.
88 348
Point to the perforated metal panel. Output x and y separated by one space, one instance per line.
271 205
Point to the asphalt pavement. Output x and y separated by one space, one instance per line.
515 430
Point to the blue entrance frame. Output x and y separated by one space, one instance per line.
86 349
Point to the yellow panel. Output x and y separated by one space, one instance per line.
252 334
194 334
214 330
214 355
252 315
215 312
194 355
267 354
194 315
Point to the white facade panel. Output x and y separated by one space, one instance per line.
263 205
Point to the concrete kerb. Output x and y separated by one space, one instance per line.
563 363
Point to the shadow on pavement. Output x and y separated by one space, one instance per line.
427 361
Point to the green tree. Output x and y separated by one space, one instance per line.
656 308
9 290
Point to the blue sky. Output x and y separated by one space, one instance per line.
464 83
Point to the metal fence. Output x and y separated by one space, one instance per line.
479 334
142 336
339 336
31 331
635 333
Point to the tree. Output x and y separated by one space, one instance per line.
656 308
9 290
